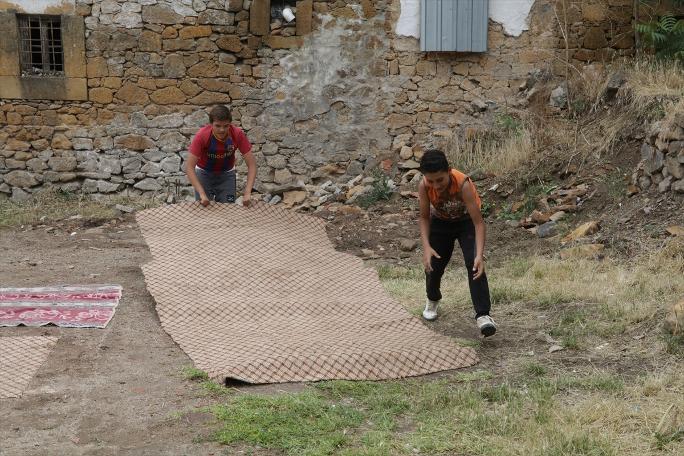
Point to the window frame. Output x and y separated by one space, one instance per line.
51 54
72 85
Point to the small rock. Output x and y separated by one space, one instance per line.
555 348
539 217
358 190
556 216
406 153
544 337
275 200
170 199
665 185
368 253
632 190
675 230
294 197
644 182
408 245
478 105
548 229
19 195
615 81
586 229
409 164
126 209
354 181
559 97
674 322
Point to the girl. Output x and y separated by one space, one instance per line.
450 211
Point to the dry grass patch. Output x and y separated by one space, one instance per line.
48 205
647 80
587 297
500 152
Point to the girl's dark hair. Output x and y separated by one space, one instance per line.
220 112
433 161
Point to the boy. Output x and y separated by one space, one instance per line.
211 164
450 211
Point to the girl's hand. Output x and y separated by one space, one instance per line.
427 258
478 267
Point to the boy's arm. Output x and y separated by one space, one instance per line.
194 181
424 221
470 201
251 177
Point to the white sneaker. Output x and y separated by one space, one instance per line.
430 312
486 325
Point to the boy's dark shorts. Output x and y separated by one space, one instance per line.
219 187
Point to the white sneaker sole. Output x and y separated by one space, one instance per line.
429 316
488 330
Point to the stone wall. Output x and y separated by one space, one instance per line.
328 98
662 154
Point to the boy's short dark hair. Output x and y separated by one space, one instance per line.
433 161
220 112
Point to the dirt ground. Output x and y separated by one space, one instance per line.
102 391
121 390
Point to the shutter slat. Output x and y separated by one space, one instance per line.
454 25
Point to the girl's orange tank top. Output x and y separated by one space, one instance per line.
449 205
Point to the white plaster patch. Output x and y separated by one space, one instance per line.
41 6
409 20
511 14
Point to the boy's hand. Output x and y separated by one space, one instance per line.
246 200
478 267
427 258
204 201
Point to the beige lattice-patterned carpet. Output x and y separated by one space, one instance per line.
260 295
20 358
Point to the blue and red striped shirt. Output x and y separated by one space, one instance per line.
218 156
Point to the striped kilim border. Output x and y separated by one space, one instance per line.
85 306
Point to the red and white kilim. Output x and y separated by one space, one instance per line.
87 306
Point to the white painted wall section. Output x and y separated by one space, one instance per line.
41 6
513 15
409 19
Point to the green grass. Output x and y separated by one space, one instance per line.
380 190
674 345
299 424
458 415
192 373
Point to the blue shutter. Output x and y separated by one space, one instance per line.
454 25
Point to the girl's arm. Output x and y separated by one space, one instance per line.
424 221
470 200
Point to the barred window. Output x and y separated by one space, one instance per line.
40 45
